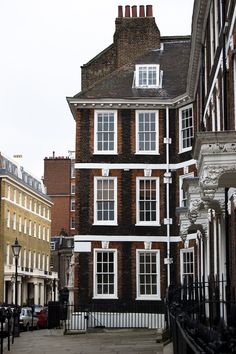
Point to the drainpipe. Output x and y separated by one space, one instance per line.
225 108
167 181
202 125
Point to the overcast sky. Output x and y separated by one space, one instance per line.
43 45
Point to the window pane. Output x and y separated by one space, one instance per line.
147 276
105 277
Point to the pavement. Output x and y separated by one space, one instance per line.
53 341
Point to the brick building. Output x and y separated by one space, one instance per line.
134 130
59 179
25 215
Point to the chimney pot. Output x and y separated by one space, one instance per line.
134 11
120 11
149 11
141 11
127 11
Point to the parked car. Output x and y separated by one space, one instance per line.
42 318
27 319
37 309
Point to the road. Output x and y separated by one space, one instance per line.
107 342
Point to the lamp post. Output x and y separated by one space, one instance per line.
16 247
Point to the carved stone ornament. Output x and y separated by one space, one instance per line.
147 245
234 200
105 172
147 172
105 244
194 208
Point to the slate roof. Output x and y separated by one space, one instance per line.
174 62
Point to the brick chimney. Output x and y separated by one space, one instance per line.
135 34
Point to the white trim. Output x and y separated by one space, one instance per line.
234 78
146 223
146 66
148 152
154 102
102 222
134 166
105 152
26 209
104 296
189 148
148 297
131 238
33 193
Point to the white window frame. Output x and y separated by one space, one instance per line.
147 67
8 219
24 258
72 204
182 251
105 222
140 296
181 191
95 293
35 229
148 223
30 227
14 221
47 269
105 152
39 231
72 190
34 260
20 198
25 226
39 261
181 148
156 132
20 223
72 223
30 259
43 233
48 236
14 196
9 192
52 245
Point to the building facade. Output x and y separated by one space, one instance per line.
211 194
25 216
59 179
134 132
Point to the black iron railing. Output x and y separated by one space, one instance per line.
202 317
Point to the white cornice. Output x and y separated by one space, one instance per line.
134 166
130 238
32 192
132 103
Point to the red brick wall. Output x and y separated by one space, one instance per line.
57 179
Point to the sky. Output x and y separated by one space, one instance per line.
43 45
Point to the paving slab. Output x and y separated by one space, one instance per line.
53 341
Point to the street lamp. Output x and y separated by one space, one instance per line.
16 247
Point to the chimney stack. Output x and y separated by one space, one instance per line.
141 11
134 11
149 11
127 11
120 11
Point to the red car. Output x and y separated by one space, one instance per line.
42 318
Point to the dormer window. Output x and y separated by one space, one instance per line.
148 76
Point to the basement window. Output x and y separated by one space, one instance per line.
148 76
